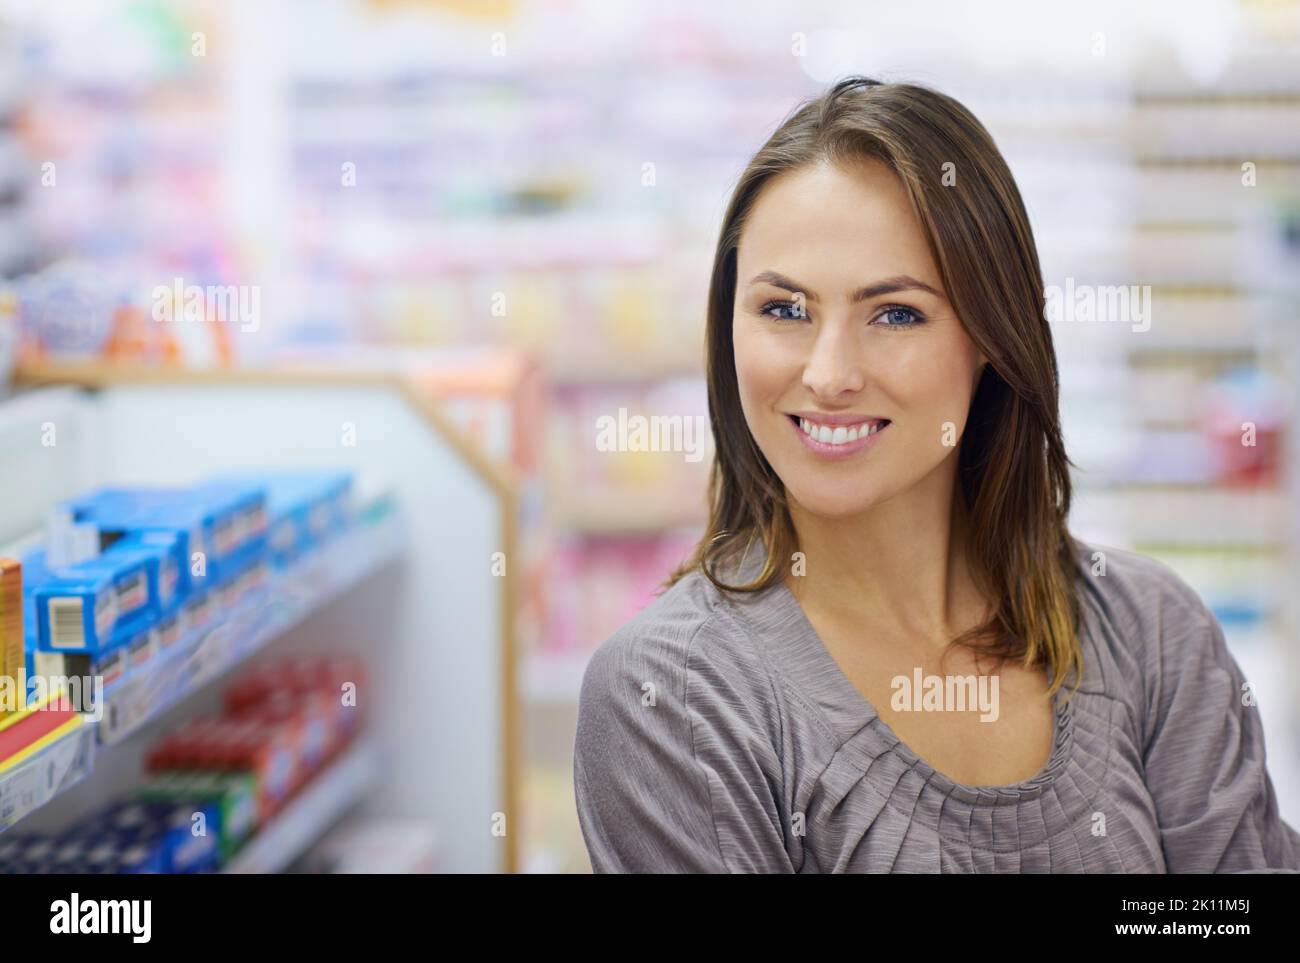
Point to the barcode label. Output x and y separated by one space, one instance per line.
67 626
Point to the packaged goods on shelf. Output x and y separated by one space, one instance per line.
269 753
74 627
90 606
304 509
176 837
128 836
215 782
170 562
283 721
74 310
223 524
12 652
320 686
105 616
233 795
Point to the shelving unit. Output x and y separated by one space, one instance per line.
293 596
61 760
46 768
436 631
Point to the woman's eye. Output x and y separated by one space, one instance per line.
899 317
797 312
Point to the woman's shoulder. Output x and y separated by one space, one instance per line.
686 634
1147 625
1135 587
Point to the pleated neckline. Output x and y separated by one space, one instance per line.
818 678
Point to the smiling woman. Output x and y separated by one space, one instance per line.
890 492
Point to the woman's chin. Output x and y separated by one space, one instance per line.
833 501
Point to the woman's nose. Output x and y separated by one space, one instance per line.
835 366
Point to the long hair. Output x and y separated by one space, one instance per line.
1013 473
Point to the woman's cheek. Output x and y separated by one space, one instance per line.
759 373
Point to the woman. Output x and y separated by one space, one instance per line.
888 653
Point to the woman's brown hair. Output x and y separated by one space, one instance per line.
1013 473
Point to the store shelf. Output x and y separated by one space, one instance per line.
168 427
292 596
47 768
318 807
61 760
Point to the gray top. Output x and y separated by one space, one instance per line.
712 725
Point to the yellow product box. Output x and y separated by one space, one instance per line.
12 657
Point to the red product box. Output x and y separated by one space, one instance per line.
336 683
235 745
346 683
182 749
269 753
308 716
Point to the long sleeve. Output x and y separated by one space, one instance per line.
1204 757
674 767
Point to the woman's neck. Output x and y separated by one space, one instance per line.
899 570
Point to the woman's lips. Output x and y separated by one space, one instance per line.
846 449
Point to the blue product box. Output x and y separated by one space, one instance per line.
134 858
165 830
172 627
116 855
84 607
76 612
11 852
224 522
165 551
200 611
109 663
31 854
304 509
97 847
240 509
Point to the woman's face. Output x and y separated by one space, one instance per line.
842 328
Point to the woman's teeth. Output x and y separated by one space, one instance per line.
839 434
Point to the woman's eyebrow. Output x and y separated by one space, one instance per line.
901 282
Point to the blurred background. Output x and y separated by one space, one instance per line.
492 222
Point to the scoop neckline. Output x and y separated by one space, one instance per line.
849 697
